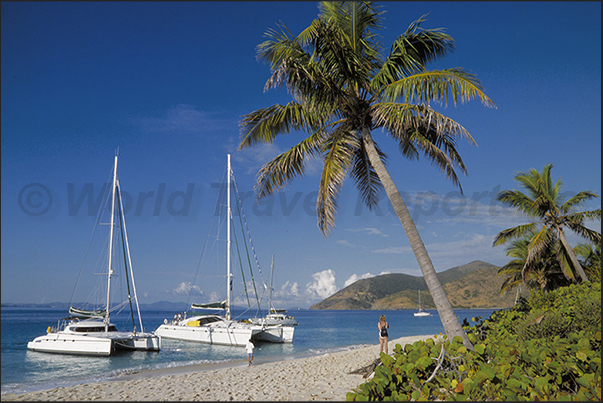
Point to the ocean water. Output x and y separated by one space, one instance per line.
318 332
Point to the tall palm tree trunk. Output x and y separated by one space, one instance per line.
451 324
570 252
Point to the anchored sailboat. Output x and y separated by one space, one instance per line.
421 311
218 329
90 332
274 316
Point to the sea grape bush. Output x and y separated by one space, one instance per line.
548 347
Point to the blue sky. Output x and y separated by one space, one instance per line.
167 83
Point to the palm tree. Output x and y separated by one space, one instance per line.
544 273
544 203
343 89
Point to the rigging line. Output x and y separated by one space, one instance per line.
242 214
241 265
127 251
248 233
96 222
123 246
199 264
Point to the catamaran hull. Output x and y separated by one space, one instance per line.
277 334
98 345
140 342
72 344
228 336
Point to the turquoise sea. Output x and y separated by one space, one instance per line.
318 332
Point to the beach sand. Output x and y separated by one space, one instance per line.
321 377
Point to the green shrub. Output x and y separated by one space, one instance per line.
547 348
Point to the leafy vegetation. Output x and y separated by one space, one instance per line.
547 347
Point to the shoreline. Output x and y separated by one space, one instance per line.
315 377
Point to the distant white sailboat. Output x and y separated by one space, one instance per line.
90 332
421 311
218 329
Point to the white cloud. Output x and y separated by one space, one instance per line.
213 297
354 277
346 243
185 288
323 284
398 250
368 231
179 119
287 290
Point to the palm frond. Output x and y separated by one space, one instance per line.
539 243
410 53
263 125
583 232
437 86
512 233
519 201
338 153
364 176
577 200
417 127
277 173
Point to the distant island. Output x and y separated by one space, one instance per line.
471 286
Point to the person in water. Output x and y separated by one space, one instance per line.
383 336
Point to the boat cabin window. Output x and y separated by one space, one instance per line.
112 328
205 321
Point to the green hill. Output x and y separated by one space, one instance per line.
474 285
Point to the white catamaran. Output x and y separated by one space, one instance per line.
90 332
218 329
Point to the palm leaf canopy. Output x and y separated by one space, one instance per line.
543 201
343 83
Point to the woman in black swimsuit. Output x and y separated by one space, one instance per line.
383 336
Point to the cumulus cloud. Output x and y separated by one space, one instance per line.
186 288
289 289
323 284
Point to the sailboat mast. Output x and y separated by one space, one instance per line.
110 269
270 291
228 274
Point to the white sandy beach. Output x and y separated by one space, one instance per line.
322 377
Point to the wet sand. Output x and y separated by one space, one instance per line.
321 377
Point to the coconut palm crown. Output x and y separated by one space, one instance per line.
543 202
344 87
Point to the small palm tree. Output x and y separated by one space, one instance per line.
343 89
543 202
544 274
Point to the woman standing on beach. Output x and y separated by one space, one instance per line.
383 336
